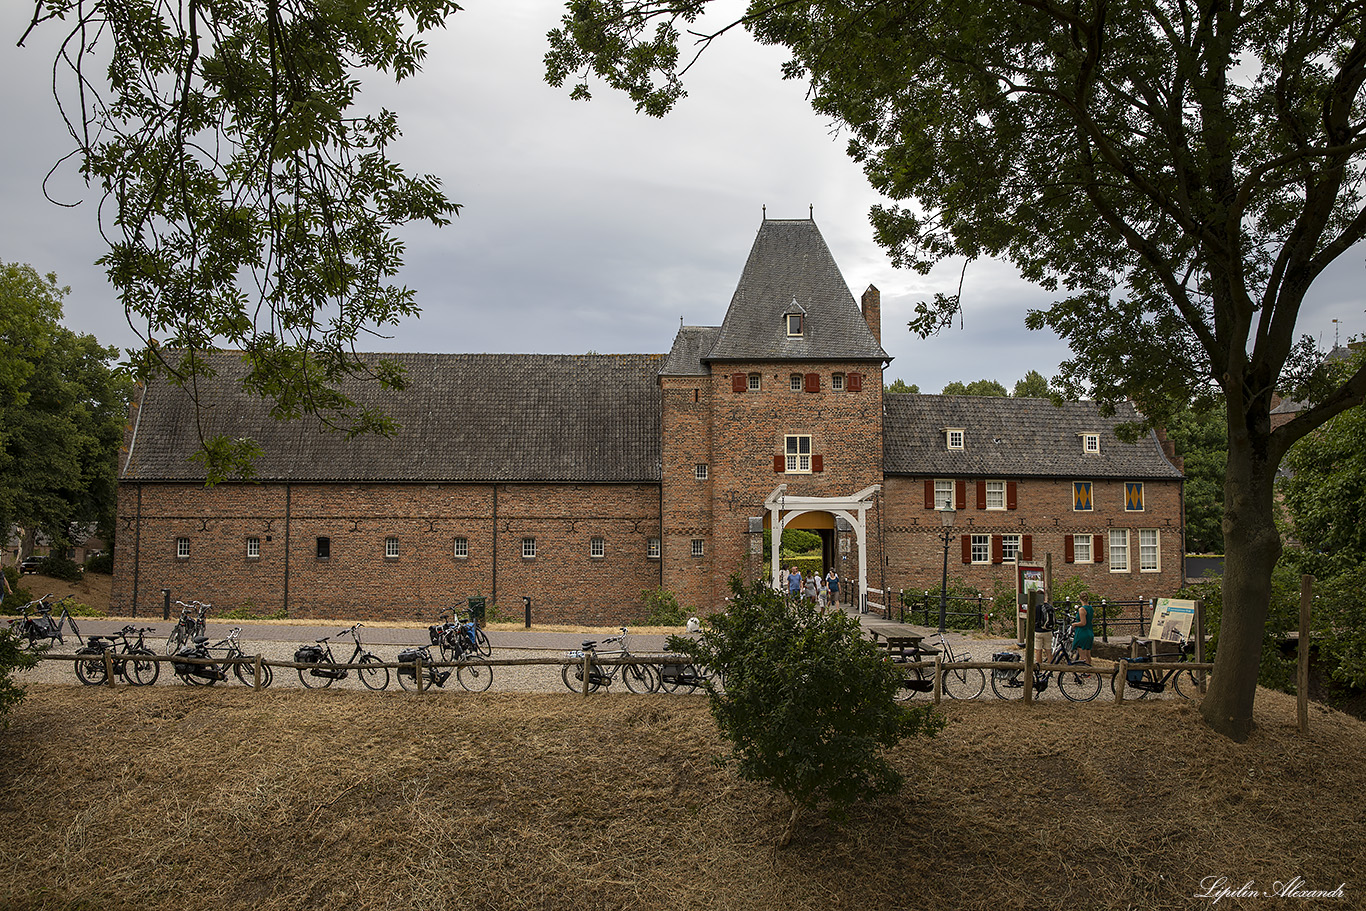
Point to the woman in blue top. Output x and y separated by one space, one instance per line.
1083 637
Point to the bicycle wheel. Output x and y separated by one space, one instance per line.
90 671
176 640
640 678
572 675
912 684
75 630
474 677
372 672
246 673
964 682
313 683
680 678
1078 685
1008 683
142 671
1130 691
482 645
1186 685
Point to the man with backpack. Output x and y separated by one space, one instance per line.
1043 630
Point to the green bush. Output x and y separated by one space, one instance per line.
60 568
101 563
20 595
808 703
12 658
662 608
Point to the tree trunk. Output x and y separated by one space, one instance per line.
785 839
1252 545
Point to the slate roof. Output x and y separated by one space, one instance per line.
1013 438
690 345
463 417
790 263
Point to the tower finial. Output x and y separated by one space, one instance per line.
811 211
765 211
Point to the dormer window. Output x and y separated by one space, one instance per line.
1090 443
794 325
954 437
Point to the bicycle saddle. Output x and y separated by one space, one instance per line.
200 640
589 643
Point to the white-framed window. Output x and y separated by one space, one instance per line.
1082 500
182 548
1119 550
1090 443
794 325
1149 551
462 548
698 548
1010 547
597 548
754 382
1133 496
699 471
981 548
652 548
324 548
253 548
837 382
954 437
943 493
1081 549
528 548
996 494
391 548
794 382
798 449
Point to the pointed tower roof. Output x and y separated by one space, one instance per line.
790 272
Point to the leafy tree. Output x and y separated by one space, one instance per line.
1201 438
980 387
1033 386
1180 174
795 541
62 412
899 386
247 204
809 705
12 658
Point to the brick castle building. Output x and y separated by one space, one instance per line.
582 481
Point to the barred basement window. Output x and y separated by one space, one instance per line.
697 547
528 548
699 471
391 548
597 548
182 548
652 548
253 548
462 548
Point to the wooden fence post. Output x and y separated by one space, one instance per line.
1302 678
1033 601
587 669
256 683
109 666
1121 679
938 678
417 671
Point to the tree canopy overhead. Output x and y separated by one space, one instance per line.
1179 173
247 203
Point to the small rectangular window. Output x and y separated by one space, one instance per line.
753 381
597 548
324 548
528 548
797 448
1133 496
697 547
837 382
1081 549
253 548
1081 497
652 548
699 471
794 325
1090 442
1119 550
462 548
182 548
996 494
391 548
1149 553
943 494
954 436
794 382
981 548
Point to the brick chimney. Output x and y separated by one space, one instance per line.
872 311
1169 449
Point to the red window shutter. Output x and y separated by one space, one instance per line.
929 493
1027 547
738 382
967 548
818 462
960 495
813 382
779 463
1098 549
1012 495
854 382
981 494
1069 553
997 550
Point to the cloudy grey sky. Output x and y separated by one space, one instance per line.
586 226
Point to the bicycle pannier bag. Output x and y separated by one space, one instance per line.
409 655
1001 673
1136 676
434 633
308 654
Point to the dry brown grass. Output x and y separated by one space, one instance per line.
175 798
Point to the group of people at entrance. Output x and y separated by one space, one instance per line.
823 591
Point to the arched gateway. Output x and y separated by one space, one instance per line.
783 509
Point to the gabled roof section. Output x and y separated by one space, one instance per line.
690 345
463 417
790 262
1013 438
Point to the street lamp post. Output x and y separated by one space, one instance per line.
946 515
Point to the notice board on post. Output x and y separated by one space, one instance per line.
1172 620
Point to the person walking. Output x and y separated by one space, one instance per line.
832 582
794 583
1083 634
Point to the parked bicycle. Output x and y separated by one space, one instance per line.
956 683
407 671
136 663
457 636
203 670
190 625
31 629
639 678
325 669
1143 681
1078 683
230 646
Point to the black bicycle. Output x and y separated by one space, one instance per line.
1076 684
639 678
230 647
190 625
136 663
31 629
1143 680
407 670
324 669
456 636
